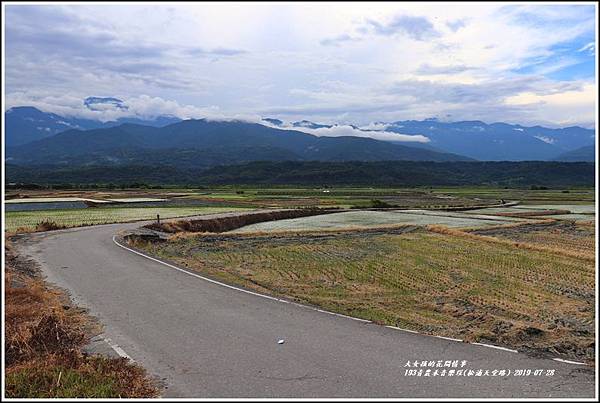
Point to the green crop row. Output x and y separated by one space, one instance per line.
28 220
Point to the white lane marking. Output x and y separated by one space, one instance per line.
448 338
308 307
496 347
569 362
118 349
341 315
404 330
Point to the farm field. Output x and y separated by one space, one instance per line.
171 203
572 236
345 197
28 220
570 217
572 212
526 196
357 219
573 208
444 282
264 197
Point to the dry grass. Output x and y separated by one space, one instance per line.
563 237
48 225
476 288
41 226
276 233
36 323
73 375
554 248
509 225
44 335
533 213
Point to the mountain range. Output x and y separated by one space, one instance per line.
587 153
204 143
36 137
25 124
482 141
498 141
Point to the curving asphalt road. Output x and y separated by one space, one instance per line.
206 340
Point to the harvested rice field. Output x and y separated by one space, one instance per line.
570 217
573 208
452 283
561 235
575 212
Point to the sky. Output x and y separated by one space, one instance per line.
345 63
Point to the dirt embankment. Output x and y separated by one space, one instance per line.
228 223
534 213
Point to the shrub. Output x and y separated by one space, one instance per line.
48 225
375 203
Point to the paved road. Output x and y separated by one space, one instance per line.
206 340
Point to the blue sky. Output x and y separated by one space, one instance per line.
328 62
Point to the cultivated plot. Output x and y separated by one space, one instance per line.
574 212
575 237
28 220
377 218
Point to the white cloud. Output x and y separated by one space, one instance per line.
246 60
545 139
347 130
589 47
568 107
143 106
378 126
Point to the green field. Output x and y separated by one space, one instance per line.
27 220
186 202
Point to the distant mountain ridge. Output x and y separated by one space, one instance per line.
498 141
211 143
25 124
473 139
587 153
479 140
